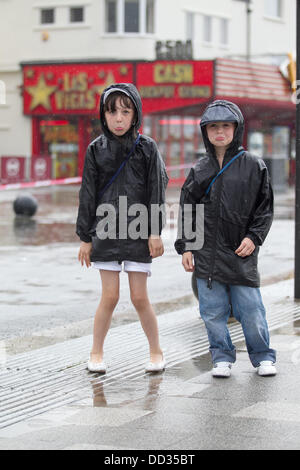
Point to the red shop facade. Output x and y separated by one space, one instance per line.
62 101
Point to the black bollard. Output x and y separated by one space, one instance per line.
26 205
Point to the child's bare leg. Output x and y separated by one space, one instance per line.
108 302
140 300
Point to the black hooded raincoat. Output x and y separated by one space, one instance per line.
239 205
143 180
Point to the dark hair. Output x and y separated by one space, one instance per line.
126 102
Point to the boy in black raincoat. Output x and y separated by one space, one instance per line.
238 212
123 173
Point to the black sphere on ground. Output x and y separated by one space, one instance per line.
25 205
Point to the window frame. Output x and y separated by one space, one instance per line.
211 20
125 18
222 22
81 7
52 9
190 22
120 20
269 16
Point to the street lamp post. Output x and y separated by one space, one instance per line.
248 4
297 183
249 11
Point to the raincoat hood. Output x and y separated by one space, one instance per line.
223 111
130 90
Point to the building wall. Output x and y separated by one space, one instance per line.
22 35
15 128
22 39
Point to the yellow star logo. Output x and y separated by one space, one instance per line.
110 79
29 73
123 70
41 94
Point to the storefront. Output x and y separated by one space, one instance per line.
62 99
63 102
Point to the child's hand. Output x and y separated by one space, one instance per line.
187 262
84 254
156 246
246 248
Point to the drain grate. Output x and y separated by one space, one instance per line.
35 382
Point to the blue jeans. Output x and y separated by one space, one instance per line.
247 308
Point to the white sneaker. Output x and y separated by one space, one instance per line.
266 368
99 367
222 369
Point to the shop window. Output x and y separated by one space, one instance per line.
94 129
273 8
47 15
178 140
193 145
59 140
280 142
256 143
129 16
77 15
273 145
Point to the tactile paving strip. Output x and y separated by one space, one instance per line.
34 382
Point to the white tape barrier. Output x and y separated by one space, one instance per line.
75 180
38 184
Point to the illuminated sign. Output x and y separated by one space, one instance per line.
64 89
70 89
168 85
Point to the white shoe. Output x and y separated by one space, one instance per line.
97 367
266 368
222 369
156 366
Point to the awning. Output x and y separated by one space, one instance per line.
251 81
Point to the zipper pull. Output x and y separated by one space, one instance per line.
209 283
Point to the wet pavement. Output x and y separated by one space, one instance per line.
50 401
46 296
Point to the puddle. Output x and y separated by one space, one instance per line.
54 221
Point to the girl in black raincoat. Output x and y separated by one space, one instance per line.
234 187
123 175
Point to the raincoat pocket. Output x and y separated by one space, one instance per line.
233 228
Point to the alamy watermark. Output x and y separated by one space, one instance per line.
2 92
139 221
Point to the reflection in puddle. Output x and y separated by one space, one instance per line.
124 393
24 228
54 221
98 394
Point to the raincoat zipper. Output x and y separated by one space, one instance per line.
213 254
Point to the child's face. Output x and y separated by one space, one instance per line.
120 120
220 134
